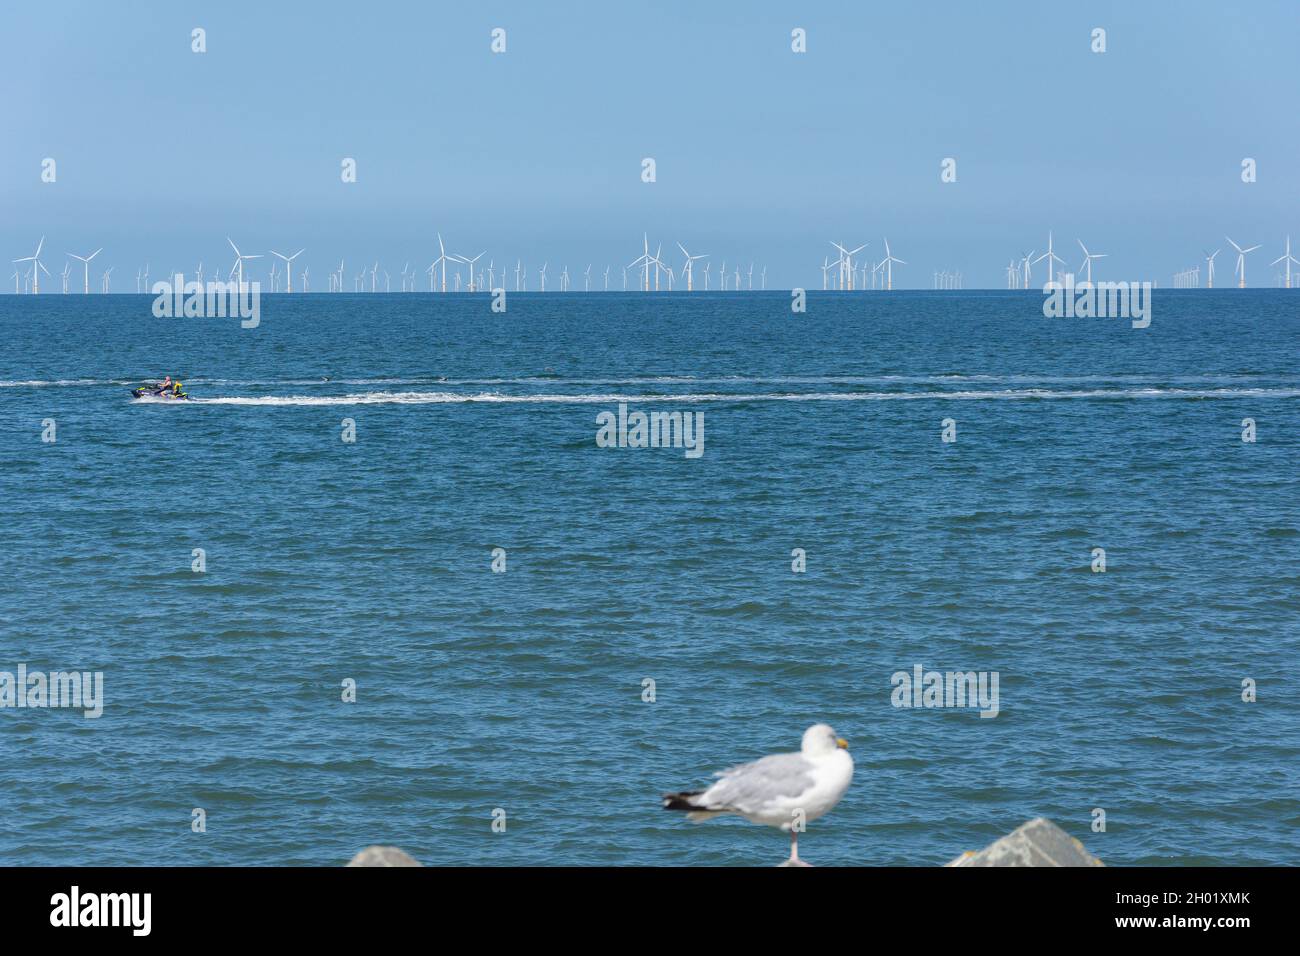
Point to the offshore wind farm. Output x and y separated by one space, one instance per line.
656 274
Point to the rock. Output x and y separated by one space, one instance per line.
383 856
1040 842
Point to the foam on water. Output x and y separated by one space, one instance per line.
443 398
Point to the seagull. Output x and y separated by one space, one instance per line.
781 790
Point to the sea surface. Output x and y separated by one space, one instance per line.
481 692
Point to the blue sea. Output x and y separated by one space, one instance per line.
521 695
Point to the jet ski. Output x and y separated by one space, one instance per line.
157 390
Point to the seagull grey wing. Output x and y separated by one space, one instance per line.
752 786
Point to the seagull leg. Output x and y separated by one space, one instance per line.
794 851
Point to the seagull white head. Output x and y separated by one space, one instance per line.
819 740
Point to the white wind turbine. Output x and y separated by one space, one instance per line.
586 285
1086 265
237 267
706 276
1241 262
1209 267
763 279
37 266
846 264
888 263
542 274
518 263
108 272
288 267
470 263
1050 256
688 268
85 261
606 278
1026 263
305 270
643 261
442 260
1288 259
67 267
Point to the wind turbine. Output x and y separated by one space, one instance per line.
763 279
846 263
1241 262
644 261
37 267
108 272
67 267
1209 267
470 263
1288 259
288 267
586 285
1050 256
606 278
305 270
888 263
1025 261
517 265
442 260
85 262
543 275
688 268
237 267
1087 260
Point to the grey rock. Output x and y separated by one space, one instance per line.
1040 842
383 856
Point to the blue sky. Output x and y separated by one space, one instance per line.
761 154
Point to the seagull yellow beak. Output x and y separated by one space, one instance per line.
841 743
